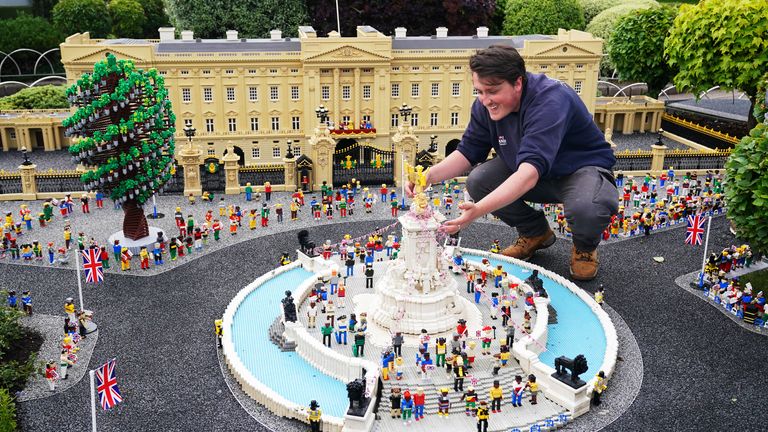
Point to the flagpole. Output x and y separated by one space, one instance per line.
93 400
704 259
78 256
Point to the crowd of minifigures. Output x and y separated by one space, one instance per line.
650 203
75 330
745 302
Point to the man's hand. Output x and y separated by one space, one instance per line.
409 189
469 213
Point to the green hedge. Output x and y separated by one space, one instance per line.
43 97
523 17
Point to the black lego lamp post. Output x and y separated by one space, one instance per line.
289 152
405 113
433 143
189 131
26 162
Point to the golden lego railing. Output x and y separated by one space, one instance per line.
701 129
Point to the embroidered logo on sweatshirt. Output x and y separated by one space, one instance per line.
502 140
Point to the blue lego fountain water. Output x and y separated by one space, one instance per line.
284 372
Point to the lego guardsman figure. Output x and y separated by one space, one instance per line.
315 416
218 325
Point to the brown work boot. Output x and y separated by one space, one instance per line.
524 247
584 264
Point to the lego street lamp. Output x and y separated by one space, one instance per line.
322 114
289 152
26 162
405 113
433 143
189 131
659 142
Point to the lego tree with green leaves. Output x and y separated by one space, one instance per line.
126 129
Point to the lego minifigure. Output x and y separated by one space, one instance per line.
341 330
395 400
419 399
51 375
387 363
533 386
517 391
327 331
470 401
315 416
598 388
219 329
144 258
482 417
26 302
369 275
248 191
497 394
459 373
443 403
125 259
358 350
600 295
406 406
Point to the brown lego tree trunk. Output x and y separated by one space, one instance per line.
135 222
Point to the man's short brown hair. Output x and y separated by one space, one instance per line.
498 62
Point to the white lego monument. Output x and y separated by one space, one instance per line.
418 291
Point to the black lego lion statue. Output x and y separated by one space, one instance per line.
356 392
576 366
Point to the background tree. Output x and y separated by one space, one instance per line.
604 23
73 16
127 18
27 31
154 12
251 18
720 43
43 97
542 17
126 124
637 47
746 179
497 20
461 17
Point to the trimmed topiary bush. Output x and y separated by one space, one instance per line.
43 97
593 7
542 17
604 23
746 180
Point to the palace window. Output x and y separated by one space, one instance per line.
577 86
276 152
255 153
230 94
273 93
414 89
455 89
366 91
185 72
211 152
414 119
187 122
208 94
435 92
346 92
254 124
209 125
297 150
253 94
433 119
295 123
295 93
206 71
325 92
395 120
454 119
275 123
435 68
232 122
395 90
186 95
229 72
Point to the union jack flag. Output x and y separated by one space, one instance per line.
94 272
695 230
106 385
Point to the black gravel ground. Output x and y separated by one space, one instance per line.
701 372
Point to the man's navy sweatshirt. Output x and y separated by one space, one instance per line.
553 131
